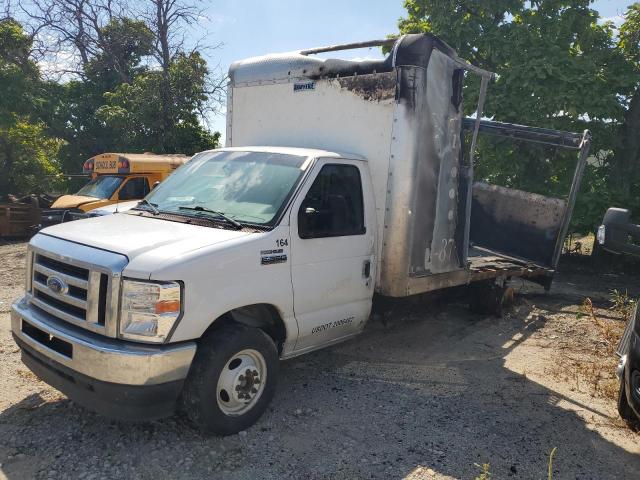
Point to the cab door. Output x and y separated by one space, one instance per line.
332 226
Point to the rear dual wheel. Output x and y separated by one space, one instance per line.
488 297
232 379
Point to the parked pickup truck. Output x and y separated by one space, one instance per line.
341 180
618 234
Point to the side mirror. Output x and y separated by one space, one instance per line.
307 220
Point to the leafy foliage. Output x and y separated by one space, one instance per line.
557 66
115 97
133 110
27 153
630 34
28 156
124 43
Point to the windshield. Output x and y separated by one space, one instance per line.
248 187
101 187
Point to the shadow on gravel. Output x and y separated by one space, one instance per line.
429 391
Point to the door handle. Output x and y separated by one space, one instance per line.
366 268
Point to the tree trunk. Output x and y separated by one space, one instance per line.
6 165
80 39
167 128
627 154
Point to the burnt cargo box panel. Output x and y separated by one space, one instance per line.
516 223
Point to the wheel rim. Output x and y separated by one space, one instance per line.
241 382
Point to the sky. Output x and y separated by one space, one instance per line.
256 27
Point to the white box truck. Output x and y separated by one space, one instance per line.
342 181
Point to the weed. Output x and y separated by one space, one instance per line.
622 303
485 474
610 332
590 362
551 455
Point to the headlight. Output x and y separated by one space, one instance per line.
601 234
148 310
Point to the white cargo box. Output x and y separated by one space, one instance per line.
404 115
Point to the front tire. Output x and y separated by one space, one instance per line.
624 409
232 380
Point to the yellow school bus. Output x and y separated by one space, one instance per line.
115 177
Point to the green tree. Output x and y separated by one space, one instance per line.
123 44
626 176
557 66
27 153
102 51
28 156
127 97
134 111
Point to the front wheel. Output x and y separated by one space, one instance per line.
625 410
232 379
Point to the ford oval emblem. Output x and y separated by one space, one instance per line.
57 285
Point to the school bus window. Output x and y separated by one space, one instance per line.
134 189
101 187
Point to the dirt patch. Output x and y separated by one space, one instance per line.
12 261
588 352
437 393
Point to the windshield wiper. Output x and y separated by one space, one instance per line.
199 208
152 206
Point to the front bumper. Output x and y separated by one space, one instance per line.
113 377
55 216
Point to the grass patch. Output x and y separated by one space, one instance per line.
588 361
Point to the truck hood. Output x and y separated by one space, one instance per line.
73 201
132 235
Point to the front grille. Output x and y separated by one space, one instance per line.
78 312
80 295
53 264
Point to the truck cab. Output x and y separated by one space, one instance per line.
283 237
114 177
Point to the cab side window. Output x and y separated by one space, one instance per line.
333 206
134 189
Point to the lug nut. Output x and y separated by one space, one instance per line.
255 372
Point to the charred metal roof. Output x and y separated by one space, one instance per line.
298 151
408 50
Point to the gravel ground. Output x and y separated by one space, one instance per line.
433 394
